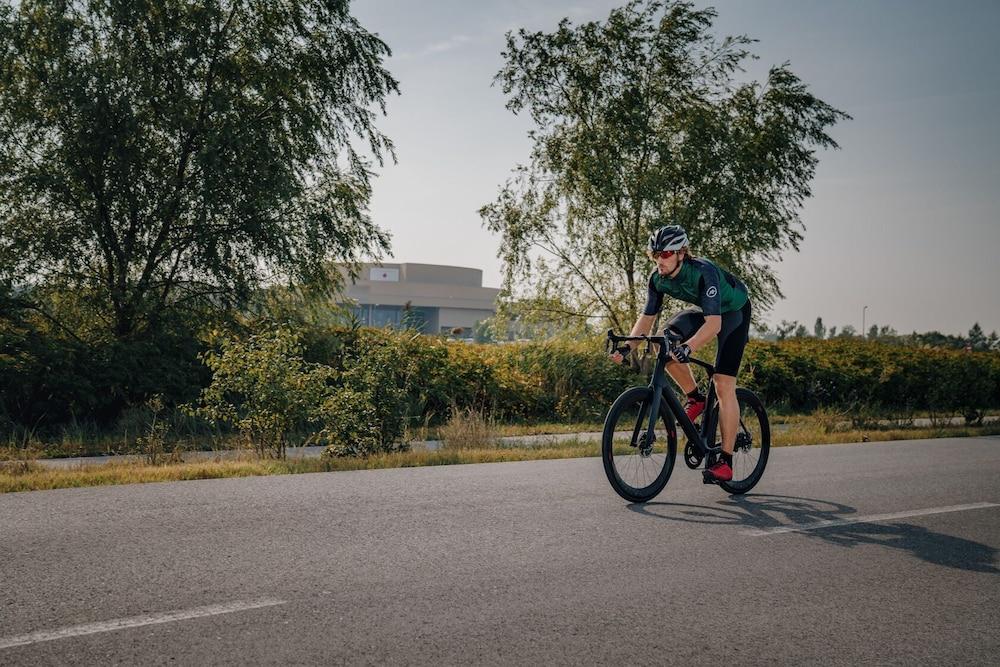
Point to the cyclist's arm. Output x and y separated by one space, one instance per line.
643 326
709 330
711 306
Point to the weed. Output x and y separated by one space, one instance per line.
468 428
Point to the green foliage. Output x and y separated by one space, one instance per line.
819 329
174 155
569 380
639 122
368 411
152 442
48 378
435 377
357 390
803 374
976 341
263 388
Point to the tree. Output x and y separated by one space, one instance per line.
178 154
785 328
977 339
937 339
639 122
801 331
819 329
873 332
833 332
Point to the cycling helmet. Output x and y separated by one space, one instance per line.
671 237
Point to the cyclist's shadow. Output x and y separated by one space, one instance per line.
761 512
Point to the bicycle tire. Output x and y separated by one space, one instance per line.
753 443
632 405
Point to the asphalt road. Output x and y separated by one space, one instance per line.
881 553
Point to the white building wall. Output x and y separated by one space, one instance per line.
461 317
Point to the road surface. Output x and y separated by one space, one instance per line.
879 553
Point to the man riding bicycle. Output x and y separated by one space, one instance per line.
725 314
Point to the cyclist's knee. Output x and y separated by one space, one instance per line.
725 383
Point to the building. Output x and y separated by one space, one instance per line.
431 298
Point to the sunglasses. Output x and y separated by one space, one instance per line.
666 254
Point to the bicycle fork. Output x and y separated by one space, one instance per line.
659 385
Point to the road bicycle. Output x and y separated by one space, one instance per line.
639 450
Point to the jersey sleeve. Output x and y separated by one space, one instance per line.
709 297
654 299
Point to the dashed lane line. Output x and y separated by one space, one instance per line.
136 621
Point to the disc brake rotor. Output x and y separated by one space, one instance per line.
645 448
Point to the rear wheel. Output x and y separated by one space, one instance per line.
753 442
637 465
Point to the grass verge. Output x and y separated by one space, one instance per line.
31 476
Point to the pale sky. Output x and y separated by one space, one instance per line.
904 218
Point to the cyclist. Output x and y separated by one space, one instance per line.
725 314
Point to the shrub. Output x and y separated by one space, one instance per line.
262 387
803 375
367 412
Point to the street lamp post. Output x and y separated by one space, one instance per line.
863 321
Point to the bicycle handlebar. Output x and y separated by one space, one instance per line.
668 340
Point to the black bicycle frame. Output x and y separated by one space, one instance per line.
659 384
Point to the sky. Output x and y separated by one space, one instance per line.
904 218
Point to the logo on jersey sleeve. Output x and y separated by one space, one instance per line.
712 291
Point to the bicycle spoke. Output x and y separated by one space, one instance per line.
637 461
752 442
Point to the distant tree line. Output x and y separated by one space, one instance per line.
976 340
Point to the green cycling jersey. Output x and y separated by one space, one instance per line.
700 282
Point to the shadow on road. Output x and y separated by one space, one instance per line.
772 511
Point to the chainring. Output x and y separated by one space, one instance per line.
692 458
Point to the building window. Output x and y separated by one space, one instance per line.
385 316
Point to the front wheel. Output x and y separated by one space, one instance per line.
637 463
753 442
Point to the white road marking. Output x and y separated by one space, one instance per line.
135 622
871 518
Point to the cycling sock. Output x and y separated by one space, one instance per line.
696 395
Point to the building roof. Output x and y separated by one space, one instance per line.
429 285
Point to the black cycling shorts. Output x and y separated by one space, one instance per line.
732 337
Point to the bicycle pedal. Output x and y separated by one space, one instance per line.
707 478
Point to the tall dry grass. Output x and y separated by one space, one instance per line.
469 428
26 475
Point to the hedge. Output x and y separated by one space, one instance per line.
532 381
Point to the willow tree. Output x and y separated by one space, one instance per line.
159 156
640 120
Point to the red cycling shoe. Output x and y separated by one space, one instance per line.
693 408
720 472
